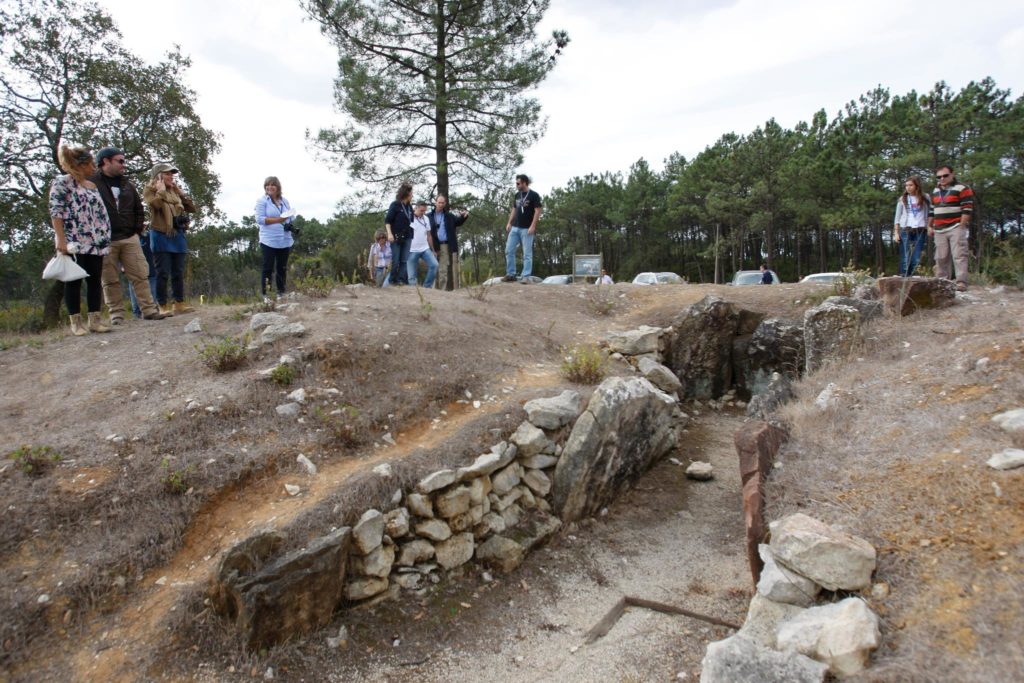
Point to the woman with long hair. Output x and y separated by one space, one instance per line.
274 216
81 227
910 227
398 224
168 206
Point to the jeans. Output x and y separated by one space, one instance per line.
399 255
911 244
275 264
515 237
170 265
93 265
414 262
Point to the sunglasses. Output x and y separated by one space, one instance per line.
945 175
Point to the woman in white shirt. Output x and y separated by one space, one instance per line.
422 247
910 228
273 215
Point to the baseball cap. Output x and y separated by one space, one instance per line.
106 153
164 168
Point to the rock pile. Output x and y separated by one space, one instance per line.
786 637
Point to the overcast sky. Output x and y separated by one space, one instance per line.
644 78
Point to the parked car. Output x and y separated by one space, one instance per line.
663 278
752 277
557 280
530 280
830 278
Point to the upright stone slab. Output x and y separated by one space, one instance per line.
701 354
627 426
291 596
906 295
775 346
831 333
756 444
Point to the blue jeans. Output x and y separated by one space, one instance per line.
148 253
400 255
910 246
414 262
515 237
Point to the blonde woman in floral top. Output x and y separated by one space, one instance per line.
81 227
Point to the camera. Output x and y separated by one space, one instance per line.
181 222
288 227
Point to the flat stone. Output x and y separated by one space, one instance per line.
368 533
831 558
415 552
700 471
261 320
538 482
396 522
275 333
645 339
554 412
504 481
781 585
1006 459
377 563
739 660
420 505
841 635
659 375
478 490
288 410
764 617
455 551
453 502
437 480
434 529
492 523
501 553
367 587
539 462
483 465
1011 421
194 326
530 440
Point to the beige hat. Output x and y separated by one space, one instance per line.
163 168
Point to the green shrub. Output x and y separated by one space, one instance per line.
176 481
601 299
34 460
283 375
426 308
850 279
584 364
1006 264
316 286
224 354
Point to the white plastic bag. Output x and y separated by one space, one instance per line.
62 267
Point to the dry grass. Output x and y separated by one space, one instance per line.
901 461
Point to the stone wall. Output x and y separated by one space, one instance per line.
493 511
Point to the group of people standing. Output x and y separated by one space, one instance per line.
412 234
945 215
99 217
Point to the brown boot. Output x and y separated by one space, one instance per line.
96 323
78 328
181 307
166 311
155 314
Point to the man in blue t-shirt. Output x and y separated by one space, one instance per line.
766 275
521 227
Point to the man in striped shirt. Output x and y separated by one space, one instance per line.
948 220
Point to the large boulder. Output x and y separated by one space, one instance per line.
831 558
906 295
775 346
701 354
627 426
554 412
738 659
756 445
290 596
831 333
841 635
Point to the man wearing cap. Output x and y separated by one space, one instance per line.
127 221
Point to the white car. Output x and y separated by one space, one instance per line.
752 277
663 278
557 280
830 278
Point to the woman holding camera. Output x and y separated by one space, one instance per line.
81 227
274 216
168 209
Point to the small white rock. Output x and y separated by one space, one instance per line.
307 463
292 489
